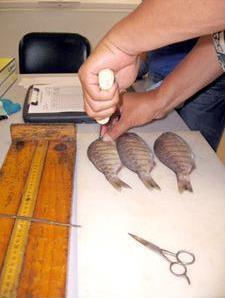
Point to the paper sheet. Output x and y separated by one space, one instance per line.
52 99
71 80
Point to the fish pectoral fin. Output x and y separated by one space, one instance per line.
184 183
148 181
117 183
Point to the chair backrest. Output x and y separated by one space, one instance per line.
45 52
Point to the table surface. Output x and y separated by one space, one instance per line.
103 260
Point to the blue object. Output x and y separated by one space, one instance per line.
204 111
162 61
3 114
9 107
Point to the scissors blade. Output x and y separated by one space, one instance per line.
146 243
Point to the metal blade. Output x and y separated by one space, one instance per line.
40 220
146 243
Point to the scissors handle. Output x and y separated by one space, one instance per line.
180 270
185 257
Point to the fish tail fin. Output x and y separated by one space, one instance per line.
148 181
184 183
117 183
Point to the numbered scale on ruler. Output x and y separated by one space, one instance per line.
16 248
40 142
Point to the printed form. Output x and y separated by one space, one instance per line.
56 99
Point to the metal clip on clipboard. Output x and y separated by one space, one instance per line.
35 95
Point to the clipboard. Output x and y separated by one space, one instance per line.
34 113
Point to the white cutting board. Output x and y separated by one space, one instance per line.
113 265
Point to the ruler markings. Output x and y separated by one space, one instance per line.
13 262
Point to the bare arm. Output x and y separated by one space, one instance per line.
156 23
199 68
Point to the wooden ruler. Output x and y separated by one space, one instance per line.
36 181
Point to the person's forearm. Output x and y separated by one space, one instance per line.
156 23
199 68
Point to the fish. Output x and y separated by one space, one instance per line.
137 156
104 156
175 153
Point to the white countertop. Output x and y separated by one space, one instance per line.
104 261
111 264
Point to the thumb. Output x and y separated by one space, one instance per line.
117 130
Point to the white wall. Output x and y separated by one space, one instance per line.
14 23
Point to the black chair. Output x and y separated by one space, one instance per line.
44 52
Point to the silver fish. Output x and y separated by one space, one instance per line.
137 156
106 159
176 154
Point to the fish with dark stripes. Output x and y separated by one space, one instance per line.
136 155
105 158
175 153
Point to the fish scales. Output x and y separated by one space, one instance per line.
137 156
176 154
105 158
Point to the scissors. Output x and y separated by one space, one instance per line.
178 261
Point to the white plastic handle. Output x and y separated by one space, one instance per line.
106 81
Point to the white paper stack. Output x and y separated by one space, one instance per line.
8 74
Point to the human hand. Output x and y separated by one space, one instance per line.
136 109
100 104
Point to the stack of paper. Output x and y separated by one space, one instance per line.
8 74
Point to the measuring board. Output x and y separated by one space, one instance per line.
36 182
